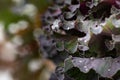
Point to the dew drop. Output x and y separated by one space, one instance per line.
108 69
85 67
92 58
68 28
80 61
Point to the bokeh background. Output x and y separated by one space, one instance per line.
20 28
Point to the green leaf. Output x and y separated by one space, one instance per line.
60 45
71 46
68 64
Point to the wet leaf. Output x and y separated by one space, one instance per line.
69 15
68 64
73 8
106 67
83 47
67 25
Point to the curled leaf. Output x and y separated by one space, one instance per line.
73 8
67 25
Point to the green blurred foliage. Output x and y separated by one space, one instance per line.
41 4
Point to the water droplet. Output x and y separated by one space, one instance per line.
92 58
80 61
68 25
68 28
85 67
108 69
